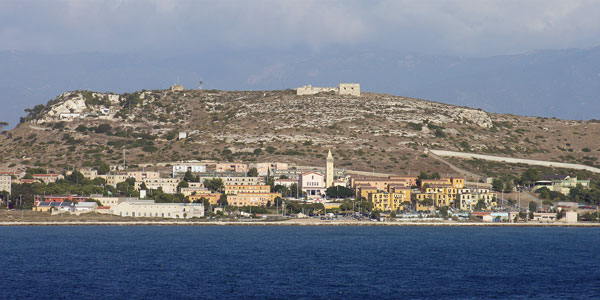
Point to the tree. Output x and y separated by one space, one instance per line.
444 212
188 177
533 206
102 168
480 205
339 192
214 184
427 175
222 200
81 128
530 176
253 172
76 177
183 184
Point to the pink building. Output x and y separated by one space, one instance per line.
264 168
231 167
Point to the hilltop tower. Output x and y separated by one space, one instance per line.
329 170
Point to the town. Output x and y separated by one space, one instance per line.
207 190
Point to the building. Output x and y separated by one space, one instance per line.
180 169
381 183
544 217
231 167
112 201
182 135
48 178
312 184
329 170
59 198
571 217
89 173
17 175
270 168
458 183
239 189
85 206
252 199
193 191
352 89
46 206
141 175
238 180
385 201
159 210
285 182
113 179
560 183
168 185
177 87
5 183
212 198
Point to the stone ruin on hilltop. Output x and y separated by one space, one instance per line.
352 89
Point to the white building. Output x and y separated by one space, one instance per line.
141 175
168 185
113 179
5 183
112 201
313 184
86 206
181 169
160 210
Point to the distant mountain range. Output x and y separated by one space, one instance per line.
548 83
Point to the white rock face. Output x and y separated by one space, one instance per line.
477 117
74 105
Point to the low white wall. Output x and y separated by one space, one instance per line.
515 160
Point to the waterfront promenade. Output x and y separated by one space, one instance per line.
294 222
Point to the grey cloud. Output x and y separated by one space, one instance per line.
462 27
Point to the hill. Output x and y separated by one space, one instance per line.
373 132
547 83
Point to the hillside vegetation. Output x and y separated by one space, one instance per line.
374 132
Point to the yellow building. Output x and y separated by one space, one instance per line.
364 191
441 194
388 201
237 189
212 197
458 183
252 199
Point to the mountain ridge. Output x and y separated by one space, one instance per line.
371 132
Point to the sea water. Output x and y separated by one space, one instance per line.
274 262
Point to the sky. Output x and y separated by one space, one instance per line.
436 50
468 28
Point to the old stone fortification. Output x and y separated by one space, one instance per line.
515 160
352 89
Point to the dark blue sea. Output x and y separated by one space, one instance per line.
298 263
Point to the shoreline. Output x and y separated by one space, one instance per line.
289 223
